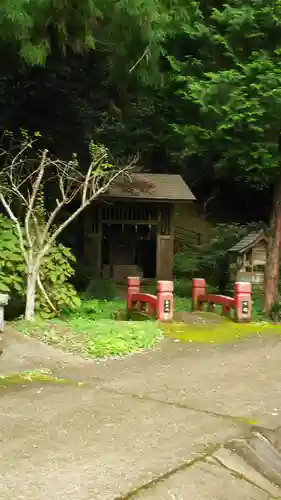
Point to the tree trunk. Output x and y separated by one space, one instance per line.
273 257
30 294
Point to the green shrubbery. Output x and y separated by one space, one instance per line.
92 330
55 273
210 260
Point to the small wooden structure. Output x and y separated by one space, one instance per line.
129 231
248 258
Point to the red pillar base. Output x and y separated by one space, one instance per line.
133 287
198 288
165 300
243 301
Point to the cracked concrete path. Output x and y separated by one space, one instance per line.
154 425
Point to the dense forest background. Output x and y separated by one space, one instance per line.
151 77
192 87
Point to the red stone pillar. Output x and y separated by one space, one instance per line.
133 288
243 301
165 300
198 288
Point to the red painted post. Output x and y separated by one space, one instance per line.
133 287
198 288
243 301
165 300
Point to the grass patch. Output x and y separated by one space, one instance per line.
182 304
93 332
95 309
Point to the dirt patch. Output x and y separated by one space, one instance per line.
198 318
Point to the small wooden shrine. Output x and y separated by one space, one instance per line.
248 258
129 231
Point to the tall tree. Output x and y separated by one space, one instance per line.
133 30
231 79
23 179
70 68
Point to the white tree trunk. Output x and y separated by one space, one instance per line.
30 293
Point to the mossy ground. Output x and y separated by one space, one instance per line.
33 377
218 332
93 331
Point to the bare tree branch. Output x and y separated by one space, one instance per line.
35 189
206 203
45 295
88 177
146 51
80 209
21 178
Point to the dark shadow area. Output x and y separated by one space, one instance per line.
129 245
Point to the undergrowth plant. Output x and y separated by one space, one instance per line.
55 272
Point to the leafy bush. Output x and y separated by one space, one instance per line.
187 263
12 266
93 309
211 260
183 288
55 271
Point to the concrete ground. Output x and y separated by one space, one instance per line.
158 425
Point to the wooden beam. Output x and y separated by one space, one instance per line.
131 222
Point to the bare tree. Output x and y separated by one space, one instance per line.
24 179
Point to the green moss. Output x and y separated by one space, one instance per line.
225 332
31 377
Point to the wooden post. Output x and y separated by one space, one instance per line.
133 287
92 240
198 288
165 300
243 301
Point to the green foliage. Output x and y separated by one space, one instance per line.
232 81
211 260
12 267
221 93
55 272
92 331
187 263
32 27
275 312
112 338
93 309
126 30
183 288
